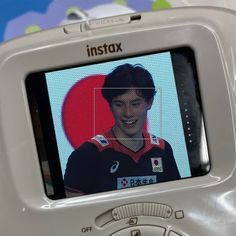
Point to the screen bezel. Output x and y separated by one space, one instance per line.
38 98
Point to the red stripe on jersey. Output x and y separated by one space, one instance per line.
155 141
101 143
150 141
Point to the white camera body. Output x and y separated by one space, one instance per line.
197 205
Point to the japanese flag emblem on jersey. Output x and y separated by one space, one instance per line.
157 164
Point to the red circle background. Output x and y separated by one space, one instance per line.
85 112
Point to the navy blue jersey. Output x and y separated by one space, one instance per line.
104 164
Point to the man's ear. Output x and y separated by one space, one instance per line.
150 102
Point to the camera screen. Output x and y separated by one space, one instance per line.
118 124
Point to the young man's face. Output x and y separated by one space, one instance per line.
130 112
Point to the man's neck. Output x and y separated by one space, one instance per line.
134 142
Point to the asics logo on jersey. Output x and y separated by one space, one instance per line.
114 167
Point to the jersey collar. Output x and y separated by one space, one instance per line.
149 142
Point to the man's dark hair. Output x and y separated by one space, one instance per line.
125 77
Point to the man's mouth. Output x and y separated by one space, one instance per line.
129 122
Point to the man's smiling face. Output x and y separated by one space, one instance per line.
130 113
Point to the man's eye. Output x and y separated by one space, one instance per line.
136 104
118 104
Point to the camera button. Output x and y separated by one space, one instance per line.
142 209
145 230
73 28
172 233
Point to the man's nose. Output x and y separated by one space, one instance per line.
128 111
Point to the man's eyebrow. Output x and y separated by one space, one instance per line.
122 101
117 100
136 100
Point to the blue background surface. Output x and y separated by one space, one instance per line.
17 15
11 9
